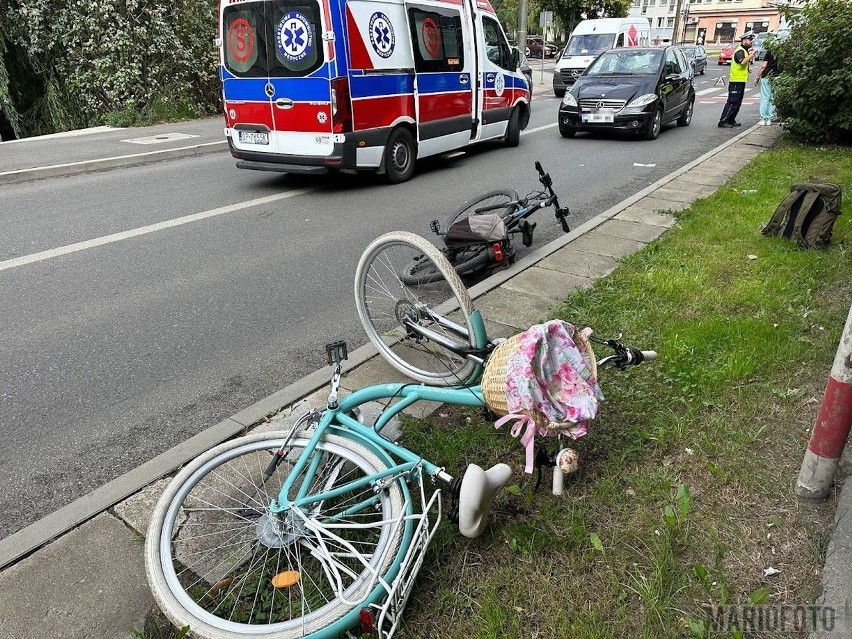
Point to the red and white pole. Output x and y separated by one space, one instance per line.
832 426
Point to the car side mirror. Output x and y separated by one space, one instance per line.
516 58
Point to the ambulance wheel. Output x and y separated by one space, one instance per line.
399 156
513 129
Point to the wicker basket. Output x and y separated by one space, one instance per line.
494 376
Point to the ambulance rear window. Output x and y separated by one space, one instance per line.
278 38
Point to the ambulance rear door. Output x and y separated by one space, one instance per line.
245 76
276 77
301 65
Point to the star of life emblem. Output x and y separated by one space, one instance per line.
294 36
381 34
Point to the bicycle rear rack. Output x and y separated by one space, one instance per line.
388 613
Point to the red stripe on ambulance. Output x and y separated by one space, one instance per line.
374 112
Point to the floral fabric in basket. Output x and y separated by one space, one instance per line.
551 386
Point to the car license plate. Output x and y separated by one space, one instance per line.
254 137
599 116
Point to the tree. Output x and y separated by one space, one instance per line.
570 12
812 93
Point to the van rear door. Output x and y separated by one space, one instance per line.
300 78
245 77
275 77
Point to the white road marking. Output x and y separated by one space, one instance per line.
145 230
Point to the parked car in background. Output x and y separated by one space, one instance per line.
697 57
535 47
634 90
526 69
727 53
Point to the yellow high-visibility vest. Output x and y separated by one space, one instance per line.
739 72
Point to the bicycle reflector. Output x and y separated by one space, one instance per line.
368 622
498 251
286 579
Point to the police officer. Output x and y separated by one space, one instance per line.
737 79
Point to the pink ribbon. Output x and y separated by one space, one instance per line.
528 436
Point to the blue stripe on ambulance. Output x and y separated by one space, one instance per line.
441 82
309 89
365 86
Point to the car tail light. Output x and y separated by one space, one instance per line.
341 112
498 251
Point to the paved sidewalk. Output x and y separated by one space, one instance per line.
90 581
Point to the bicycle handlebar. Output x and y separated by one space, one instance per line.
625 356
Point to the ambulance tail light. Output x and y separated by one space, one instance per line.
341 112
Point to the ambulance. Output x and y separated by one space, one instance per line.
314 86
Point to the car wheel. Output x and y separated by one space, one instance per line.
704 68
656 124
686 117
567 133
559 93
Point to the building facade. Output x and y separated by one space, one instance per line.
708 21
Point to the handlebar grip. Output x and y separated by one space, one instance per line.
649 355
538 167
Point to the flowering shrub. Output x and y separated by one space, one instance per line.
812 93
94 58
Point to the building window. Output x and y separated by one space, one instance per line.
670 22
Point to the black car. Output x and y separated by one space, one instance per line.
636 89
697 56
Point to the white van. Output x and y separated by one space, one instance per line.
590 38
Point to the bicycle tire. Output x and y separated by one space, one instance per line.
421 270
174 556
489 199
384 302
472 260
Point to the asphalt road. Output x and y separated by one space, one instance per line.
113 354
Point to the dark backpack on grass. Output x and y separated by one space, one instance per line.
807 214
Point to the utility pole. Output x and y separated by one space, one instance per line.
678 13
523 6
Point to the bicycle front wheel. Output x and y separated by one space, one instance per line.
400 281
492 198
219 561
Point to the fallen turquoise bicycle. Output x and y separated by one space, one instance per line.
320 531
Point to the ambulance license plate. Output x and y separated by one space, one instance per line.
254 137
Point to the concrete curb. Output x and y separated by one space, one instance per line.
29 539
101 164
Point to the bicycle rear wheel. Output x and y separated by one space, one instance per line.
393 301
214 547
492 198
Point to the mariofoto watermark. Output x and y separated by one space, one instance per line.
778 618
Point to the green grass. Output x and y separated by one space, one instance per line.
685 493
